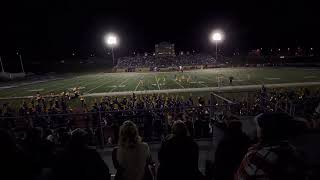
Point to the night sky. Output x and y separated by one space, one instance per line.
48 30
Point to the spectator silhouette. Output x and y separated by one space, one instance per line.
33 148
80 162
230 152
13 162
178 155
132 157
273 158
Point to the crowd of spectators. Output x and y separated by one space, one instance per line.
165 61
302 103
46 138
154 114
270 156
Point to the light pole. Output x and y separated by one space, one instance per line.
21 62
111 40
216 37
2 69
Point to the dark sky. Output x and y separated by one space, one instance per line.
43 29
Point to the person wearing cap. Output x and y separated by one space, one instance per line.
273 157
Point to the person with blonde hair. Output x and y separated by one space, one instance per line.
132 157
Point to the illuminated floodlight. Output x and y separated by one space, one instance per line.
111 40
216 36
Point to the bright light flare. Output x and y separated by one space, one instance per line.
216 36
111 40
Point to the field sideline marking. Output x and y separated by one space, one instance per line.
62 86
177 83
97 87
203 84
138 84
120 84
223 88
157 81
101 80
204 89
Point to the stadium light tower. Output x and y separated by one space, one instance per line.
216 37
22 68
112 41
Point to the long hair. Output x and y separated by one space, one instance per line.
128 135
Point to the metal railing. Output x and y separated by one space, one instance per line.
153 124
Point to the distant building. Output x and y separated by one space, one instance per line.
164 49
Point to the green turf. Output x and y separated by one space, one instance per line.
117 82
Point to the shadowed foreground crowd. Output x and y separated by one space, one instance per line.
269 156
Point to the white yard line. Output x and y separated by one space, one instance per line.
29 83
155 77
120 84
178 84
203 84
62 86
99 80
138 84
98 87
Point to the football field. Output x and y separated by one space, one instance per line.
100 84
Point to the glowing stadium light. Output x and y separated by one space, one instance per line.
111 40
216 37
